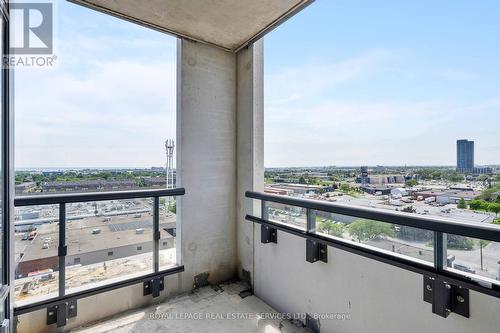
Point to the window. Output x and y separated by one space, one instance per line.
110 253
76 261
139 248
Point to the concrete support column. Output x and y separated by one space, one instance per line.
250 149
206 161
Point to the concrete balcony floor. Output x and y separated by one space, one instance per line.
176 315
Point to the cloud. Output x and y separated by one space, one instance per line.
112 109
381 107
339 132
110 100
306 80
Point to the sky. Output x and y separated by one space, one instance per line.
108 102
347 82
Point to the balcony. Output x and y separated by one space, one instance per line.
229 313
231 258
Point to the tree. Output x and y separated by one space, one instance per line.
494 208
366 230
459 242
489 194
345 187
173 207
462 204
331 228
312 181
411 182
478 205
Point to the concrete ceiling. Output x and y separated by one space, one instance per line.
229 24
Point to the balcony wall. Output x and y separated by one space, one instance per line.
379 297
206 160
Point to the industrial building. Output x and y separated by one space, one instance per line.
88 185
399 192
376 190
300 188
277 191
113 241
381 179
25 188
157 181
446 196
453 197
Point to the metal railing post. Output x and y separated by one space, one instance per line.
264 213
311 220
62 249
267 235
439 251
156 234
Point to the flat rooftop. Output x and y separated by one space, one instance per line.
450 193
119 231
292 186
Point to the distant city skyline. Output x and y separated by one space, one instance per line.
373 85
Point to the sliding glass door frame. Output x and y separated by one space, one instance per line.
7 184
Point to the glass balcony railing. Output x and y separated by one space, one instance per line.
68 245
452 256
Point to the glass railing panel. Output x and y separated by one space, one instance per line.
168 251
36 257
108 241
286 214
475 258
398 240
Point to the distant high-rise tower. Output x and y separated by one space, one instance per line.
465 156
169 170
364 175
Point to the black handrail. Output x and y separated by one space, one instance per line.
475 230
52 199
